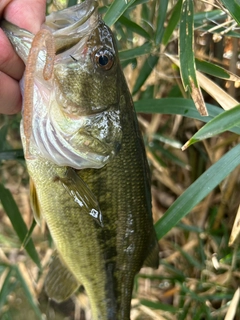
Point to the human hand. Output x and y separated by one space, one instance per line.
27 14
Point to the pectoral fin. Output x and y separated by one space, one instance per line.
34 202
82 195
60 283
152 259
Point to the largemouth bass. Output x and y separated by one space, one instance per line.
89 176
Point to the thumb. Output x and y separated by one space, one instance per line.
27 14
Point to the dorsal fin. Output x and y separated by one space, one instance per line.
60 283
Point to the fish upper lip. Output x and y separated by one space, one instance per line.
76 19
72 26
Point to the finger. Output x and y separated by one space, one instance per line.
10 63
27 14
3 4
11 100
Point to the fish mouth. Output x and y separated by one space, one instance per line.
72 24
71 18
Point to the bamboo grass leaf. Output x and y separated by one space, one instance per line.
3 135
222 97
198 191
190 258
223 122
172 23
159 306
137 2
186 43
17 221
116 10
215 70
233 7
162 11
166 153
185 311
6 288
125 63
134 27
169 141
186 55
29 234
184 107
178 274
230 33
193 295
145 71
135 52
12 154
72 3
28 294
213 15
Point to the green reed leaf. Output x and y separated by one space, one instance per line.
159 306
134 27
137 2
116 10
233 7
3 136
181 106
186 56
29 233
172 23
17 221
214 70
161 17
209 16
6 287
28 294
211 69
145 71
12 154
198 190
223 122
135 52
72 3
186 52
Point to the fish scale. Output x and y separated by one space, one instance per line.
97 206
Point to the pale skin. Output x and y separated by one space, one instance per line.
27 14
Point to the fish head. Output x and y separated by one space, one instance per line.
87 72
77 113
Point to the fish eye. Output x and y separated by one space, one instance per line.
104 59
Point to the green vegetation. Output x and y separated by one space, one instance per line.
181 61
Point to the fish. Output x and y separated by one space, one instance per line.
85 155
